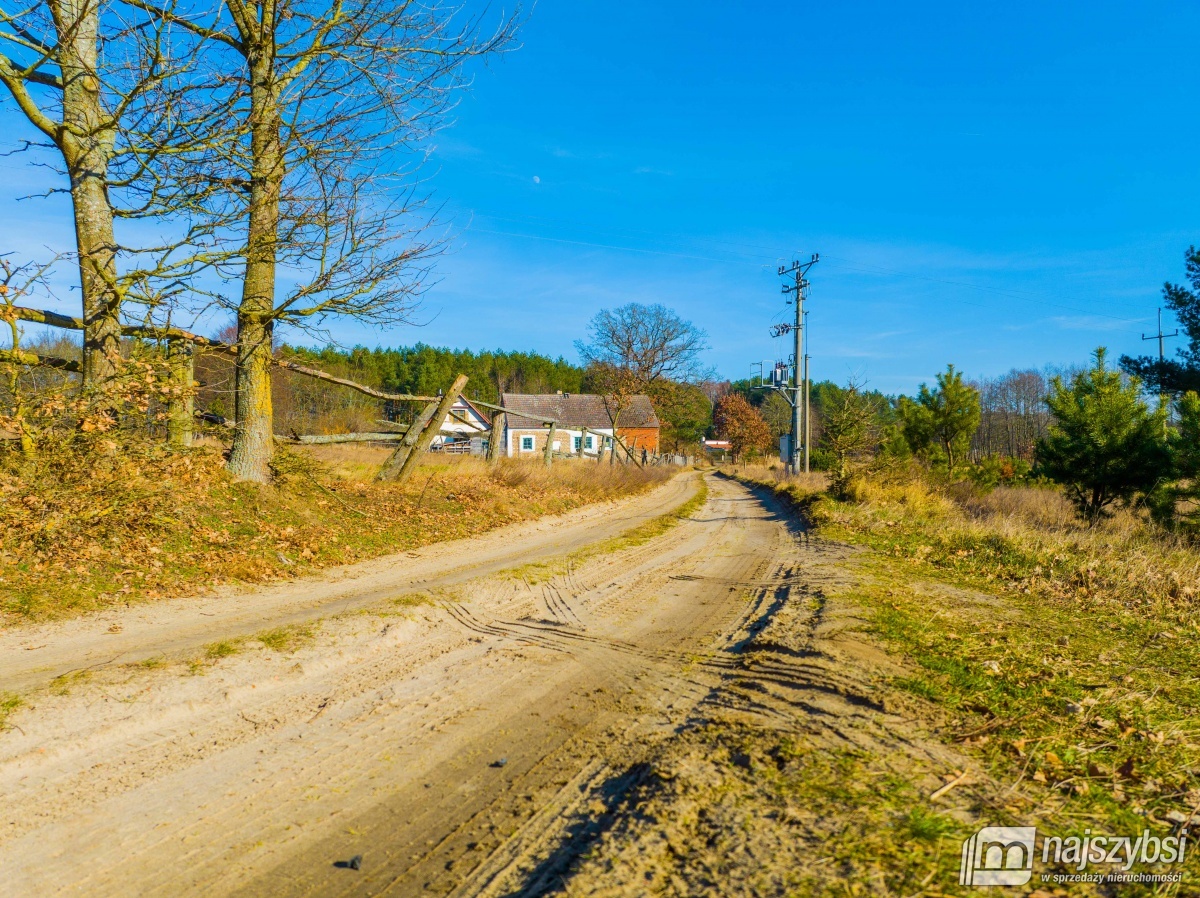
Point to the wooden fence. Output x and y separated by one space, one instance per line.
412 440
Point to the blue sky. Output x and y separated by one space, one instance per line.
988 185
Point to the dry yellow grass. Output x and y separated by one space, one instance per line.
350 461
1060 657
777 474
83 528
1047 508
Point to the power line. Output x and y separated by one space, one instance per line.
1020 296
845 264
1160 336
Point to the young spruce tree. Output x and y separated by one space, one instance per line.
1106 444
941 422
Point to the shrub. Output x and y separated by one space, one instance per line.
1106 445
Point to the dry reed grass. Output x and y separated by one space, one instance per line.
1026 537
360 462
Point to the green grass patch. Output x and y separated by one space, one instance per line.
215 651
413 600
288 639
9 702
62 685
1066 684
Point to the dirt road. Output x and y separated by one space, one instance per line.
476 744
31 656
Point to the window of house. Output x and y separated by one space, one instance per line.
591 442
527 444
578 443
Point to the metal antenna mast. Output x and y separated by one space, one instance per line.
1160 336
799 389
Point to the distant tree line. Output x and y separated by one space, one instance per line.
1107 436
633 349
1013 414
308 406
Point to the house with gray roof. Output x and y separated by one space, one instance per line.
583 421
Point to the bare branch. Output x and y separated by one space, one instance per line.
204 31
15 83
22 357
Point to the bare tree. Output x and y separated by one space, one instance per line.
59 43
92 83
1014 414
651 342
638 349
317 115
777 412
16 282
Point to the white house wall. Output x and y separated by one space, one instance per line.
564 441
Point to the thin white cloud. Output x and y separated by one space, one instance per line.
1091 323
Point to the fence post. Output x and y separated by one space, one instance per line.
496 437
401 463
181 406
549 453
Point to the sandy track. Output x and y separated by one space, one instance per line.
384 739
34 655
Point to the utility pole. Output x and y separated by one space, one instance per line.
807 399
799 391
1160 336
807 414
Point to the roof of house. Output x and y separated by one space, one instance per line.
575 410
462 403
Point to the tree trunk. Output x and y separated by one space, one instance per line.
252 440
86 145
181 405
612 445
